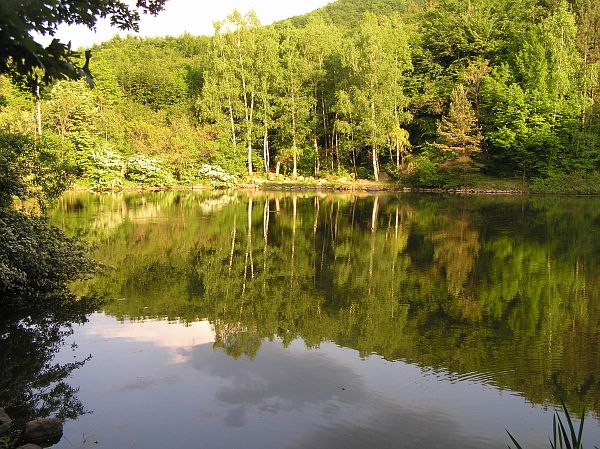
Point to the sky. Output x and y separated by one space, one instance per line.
191 16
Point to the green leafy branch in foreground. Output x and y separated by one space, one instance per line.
561 438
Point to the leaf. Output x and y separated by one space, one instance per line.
516 443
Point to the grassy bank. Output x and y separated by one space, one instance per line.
484 186
579 183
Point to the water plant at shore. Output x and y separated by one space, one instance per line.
563 437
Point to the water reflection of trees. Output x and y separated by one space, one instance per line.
505 290
32 384
37 313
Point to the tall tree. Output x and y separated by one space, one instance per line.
243 44
458 133
269 77
320 40
377 60
296 100
218 102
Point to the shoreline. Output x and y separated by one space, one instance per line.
368 187
362 187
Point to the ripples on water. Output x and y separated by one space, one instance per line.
285 320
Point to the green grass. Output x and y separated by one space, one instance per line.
578 182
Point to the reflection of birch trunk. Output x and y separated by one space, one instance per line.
250 237
373 229
371 258
353 213
375 214
389 226
266 217
233 235
337 221
395 259
316 213
266 212
331 220
353 207
294 213
248 261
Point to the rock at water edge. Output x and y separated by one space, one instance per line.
43 430
5 422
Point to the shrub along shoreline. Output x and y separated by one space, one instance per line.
449 181
485 186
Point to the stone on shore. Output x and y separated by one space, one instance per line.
43 430
5 422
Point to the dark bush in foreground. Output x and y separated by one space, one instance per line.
36 259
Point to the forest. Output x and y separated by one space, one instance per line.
419 93
429 94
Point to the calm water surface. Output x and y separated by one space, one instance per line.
283 320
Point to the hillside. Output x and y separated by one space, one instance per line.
434 96
348 13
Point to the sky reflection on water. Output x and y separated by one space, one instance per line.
155 384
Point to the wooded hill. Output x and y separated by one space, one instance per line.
433 93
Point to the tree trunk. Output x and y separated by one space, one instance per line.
337 152
317 161
249 133
232 121
294 155
295 170
374 144
294 146
249 158
375 162
266 157
38 109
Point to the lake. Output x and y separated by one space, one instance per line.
239 320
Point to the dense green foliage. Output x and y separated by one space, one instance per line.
507 287
30 170
24 58
429 92
38 262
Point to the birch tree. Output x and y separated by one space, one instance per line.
296 100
